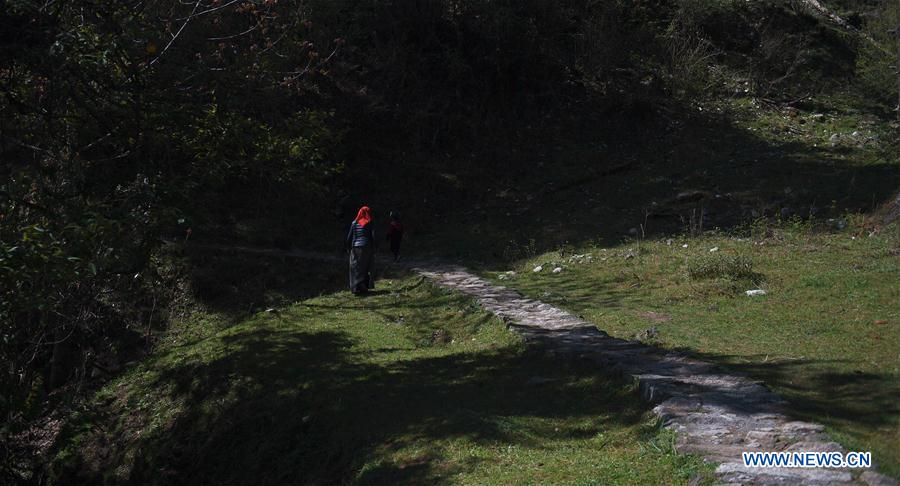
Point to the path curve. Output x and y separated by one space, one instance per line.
714 414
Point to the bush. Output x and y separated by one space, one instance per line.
876 65
719 266
693 41
515 250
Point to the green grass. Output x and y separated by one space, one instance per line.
826 336
411 385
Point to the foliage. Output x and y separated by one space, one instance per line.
119 122
442 72
877 65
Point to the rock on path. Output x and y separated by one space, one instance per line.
714 414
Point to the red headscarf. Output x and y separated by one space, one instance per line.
364 216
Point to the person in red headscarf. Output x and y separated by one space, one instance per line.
361 246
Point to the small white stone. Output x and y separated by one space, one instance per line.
714 249
557 270
537 269
755 292
684 245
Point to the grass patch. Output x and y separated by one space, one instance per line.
411 385
729 267
825 336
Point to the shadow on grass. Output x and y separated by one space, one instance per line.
578 295
593 178
817 390
861 406
539 198
239 284
284 406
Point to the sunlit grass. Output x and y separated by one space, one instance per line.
826 335
411 385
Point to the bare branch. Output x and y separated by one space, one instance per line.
172 40
204 12
251 29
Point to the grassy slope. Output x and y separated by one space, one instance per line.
826 336
410 385
277 397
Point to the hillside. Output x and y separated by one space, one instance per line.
143 146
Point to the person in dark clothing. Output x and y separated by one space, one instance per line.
361 246
395 234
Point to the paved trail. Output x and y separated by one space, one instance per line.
714 414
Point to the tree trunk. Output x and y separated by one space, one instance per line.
61 360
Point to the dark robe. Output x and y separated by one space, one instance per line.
361 258
361 243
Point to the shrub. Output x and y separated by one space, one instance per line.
689 60
720 266
515 250
876 65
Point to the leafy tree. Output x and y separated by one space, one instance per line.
120 119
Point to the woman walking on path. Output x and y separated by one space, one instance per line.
361 245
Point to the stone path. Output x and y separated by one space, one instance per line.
714 414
